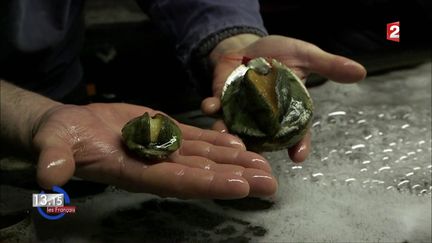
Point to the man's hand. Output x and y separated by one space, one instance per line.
302 57
86 141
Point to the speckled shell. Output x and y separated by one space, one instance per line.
266 125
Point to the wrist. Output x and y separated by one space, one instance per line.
21 111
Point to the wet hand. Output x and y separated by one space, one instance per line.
302 57
86 141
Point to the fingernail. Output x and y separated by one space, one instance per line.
259 161
211 106
235 181
262 185
267 166
56 163
263 177
352 64
237 143
301 148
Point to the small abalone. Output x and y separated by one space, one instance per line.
152 138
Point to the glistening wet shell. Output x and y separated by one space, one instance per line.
152 138
266 105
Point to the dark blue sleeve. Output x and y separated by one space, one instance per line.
198 25
40 43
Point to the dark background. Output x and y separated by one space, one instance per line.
128 60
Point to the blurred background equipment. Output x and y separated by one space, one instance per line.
124 51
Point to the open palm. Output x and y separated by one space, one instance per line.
86 141
302 57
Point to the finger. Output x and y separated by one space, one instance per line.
212 137
56 165
206 164
211 105
261 184
192 161
180 180
225 155
334 67
169 179
220 126
299 152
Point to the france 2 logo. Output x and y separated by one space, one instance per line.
393 31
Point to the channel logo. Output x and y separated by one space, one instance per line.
54 204
393 30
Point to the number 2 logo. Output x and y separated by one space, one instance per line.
393 31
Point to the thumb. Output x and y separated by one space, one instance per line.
334 67
56 163
211 105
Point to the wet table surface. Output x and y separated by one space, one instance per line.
367 179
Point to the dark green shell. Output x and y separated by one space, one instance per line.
247 114
152 138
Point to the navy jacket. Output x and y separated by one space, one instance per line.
40 40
